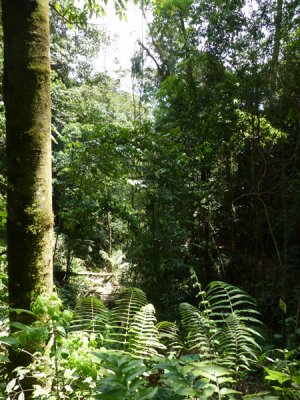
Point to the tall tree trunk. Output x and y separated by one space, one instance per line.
278 32
277 44
28 123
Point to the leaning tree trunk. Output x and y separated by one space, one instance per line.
28 122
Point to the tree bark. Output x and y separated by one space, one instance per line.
28 139
278 32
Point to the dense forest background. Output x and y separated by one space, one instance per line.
195 173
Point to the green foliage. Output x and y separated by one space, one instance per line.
225 299
169 336
237 343
282 372
124 377
89 315
234 311
131 365
261 396
208 179
187 378
198 330
222 328
130 303
91 121
41 339
221 161
72 13
218 378
267 135
143 334
178 380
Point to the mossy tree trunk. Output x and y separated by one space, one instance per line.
28 123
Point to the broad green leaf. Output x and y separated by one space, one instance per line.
278 388
3 358
186 392
225 391
277 376
260 396
145 394
282 305
8 340
19 325
296 379
208 391
135 372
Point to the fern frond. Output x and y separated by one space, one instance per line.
130 302
90 315
226 299
198 330
237 344
233 310
143 334
168 334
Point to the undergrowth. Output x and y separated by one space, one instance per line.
123 353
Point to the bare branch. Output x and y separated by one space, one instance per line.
159 68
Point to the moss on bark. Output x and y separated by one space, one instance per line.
28 124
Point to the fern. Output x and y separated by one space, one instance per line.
237 344
168 334
127 306
223 328
235 314
198 331
143 334
225 299
90 315
130 326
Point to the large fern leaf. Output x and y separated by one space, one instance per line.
90 315
169 335
224 326
198 331
225 299
235 315
143 334
237 344
130 302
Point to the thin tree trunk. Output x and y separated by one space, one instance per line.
68 262
278 32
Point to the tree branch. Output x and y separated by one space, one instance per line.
159 68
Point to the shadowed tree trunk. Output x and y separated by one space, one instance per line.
28 119
278 32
